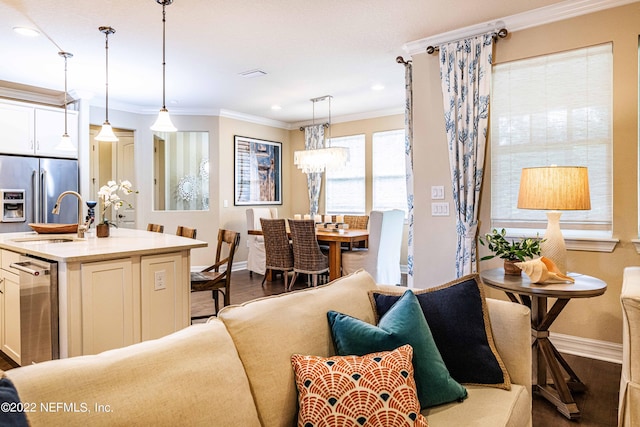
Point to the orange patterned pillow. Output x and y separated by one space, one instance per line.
377 389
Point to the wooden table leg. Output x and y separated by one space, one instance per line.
545 355
335 260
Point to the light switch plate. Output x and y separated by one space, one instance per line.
437 192
440 209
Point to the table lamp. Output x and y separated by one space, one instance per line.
555 189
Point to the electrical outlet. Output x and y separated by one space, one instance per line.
160 280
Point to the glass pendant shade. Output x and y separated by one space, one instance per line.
106 133
65 143
163 122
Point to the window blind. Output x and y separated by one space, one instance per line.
345 187
553 110
389 171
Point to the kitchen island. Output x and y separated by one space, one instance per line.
112 292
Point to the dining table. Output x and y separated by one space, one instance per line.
333 239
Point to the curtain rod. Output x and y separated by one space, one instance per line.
401 60
326 125
501 33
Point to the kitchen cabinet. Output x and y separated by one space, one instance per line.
35 130
108 293
10 343
165 306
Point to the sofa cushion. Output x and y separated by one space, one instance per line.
485 406
269 330
11 413
191 377
374 389
458 317
402 324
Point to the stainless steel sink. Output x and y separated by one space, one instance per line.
48 239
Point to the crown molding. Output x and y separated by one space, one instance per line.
54 99
532 18
254 119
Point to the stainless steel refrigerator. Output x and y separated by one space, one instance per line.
29 188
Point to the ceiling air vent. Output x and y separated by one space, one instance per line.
252 74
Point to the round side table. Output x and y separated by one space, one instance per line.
545 356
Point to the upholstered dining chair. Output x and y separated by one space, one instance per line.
156 228
382 257
307 256
186 232
212 278
278 249
256 257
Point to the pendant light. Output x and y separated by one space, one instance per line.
106 133
163 122
65 142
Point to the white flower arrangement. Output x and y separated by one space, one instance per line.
108 194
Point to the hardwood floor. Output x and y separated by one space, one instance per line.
599 404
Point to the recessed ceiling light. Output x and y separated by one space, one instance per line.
377 87
25 31
276 107
252 73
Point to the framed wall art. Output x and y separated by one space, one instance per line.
258 171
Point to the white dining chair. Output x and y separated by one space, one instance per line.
382 258
256 258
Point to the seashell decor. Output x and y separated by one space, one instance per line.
543 270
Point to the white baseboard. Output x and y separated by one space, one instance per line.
585 347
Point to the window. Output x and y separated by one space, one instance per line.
389 171
553 109
345 188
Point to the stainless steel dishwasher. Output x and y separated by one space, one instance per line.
39 339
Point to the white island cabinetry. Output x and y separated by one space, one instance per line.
113 292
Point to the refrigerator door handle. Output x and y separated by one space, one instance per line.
36 196
43 196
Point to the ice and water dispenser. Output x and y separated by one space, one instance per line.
13 205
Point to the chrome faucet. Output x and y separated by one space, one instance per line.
56 210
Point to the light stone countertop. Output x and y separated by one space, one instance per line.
121 243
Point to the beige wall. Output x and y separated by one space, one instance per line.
595 318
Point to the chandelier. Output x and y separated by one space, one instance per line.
319 159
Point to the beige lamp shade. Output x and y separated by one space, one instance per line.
558 188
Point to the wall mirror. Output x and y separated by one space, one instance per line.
181 171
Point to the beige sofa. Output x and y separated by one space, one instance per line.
629 407
235 370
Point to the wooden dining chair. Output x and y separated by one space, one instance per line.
186 232
307 256
278 249
156 228
212 278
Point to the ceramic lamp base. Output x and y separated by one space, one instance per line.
553 247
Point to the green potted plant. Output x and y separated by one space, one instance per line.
510 250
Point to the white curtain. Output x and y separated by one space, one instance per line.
465 73
314 138
408 149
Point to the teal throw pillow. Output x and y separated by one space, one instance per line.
403 324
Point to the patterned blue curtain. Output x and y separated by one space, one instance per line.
408 150
465 73
314 138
